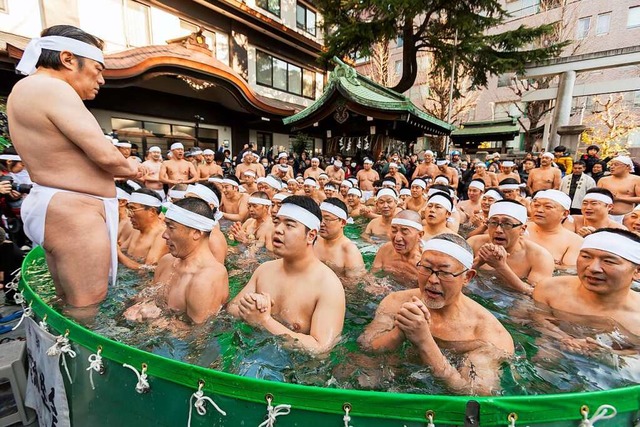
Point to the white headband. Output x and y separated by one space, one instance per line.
493 194
441 180
369 161
207 152
323 175
229 181
449 248
482 165
548 154
442 162
259 201
216 180
155 149
272 182
176 194
12 157
624 159
509 187
300 214
333 209
246 153
347 183
204 193
428 152
144 199
439 199
420 183
407 223
134 185
177 146
282 155
121 144
598 197
249 172
330 187
189 219
295 181
280 196
122 195
389 184
283 168
393 165
31 55
337 163
513 210
615 244
405 192
355 192
315 159
508 164
387 192
477 184
555 195
311 182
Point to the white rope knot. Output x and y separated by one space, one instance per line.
18 298
62 347
201 404
26 312
430 419
95 364
601 414
274 412
143 384
43 324
347 418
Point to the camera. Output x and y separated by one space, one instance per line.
20 188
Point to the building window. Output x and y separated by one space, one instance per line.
306 19
264 139
583 28
634 17
398 68
279 74
602 24
222 47
399 41
272 6
137 23
504 80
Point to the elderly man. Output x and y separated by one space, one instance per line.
427 168
400 255
209 168
249 181
145 243
258 228
518 262
575 185
50 127
334 248
596 205
608 263
546 176
366 177
436 214
438 319
306 302
282 170
632 220
548 209
177 170
507 170
270 185
397 177
234 203
386 205
624 186
193 282
153 165
335 172
314 171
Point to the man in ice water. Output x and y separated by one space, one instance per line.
71 211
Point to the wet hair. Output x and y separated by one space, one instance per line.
507 181
153 194
442 187
51 58
197 206
454 238
529 160
124 186
377 183
598 190
260 195
337 202
306 203
497 190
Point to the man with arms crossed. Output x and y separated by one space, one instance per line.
209 167
153 165
71 211
333 247
177 170
195 283
546 176
624 186
296 295
366 177
314 171
518 262
438 310
609 261
427 168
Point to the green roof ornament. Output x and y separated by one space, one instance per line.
343 70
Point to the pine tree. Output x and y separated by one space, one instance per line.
446 28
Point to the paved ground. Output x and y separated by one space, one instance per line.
6 400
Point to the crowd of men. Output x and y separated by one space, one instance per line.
165 216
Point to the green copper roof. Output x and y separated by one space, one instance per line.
361 90
497 129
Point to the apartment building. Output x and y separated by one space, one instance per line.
223 72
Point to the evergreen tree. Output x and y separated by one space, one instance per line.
446 28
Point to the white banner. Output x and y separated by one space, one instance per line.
45 386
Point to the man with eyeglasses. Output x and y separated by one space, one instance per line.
402 253
518 263
146 245
333 247
624 186
548 209
438 319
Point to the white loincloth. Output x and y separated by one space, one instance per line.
34 211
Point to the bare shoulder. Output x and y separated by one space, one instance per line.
393 301
551 288
574 237
327 277
535 251
476 241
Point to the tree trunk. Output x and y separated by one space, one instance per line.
409 60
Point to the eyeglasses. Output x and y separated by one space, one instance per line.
442 275
131 211
328 220
506 226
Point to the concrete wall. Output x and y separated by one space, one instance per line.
24 18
